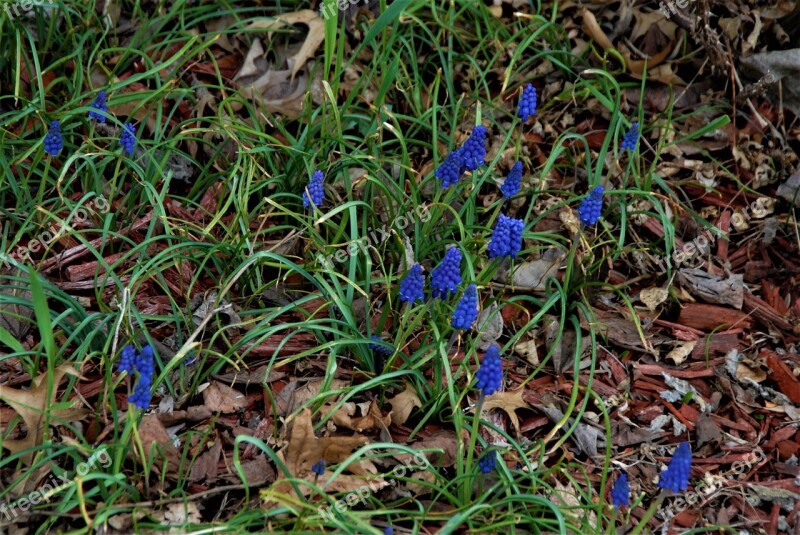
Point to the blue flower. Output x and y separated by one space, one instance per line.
412 284
466 311
128 138
144 363
512 183
380 349
527 102
127 359
473 151
490 374
592 206
319 467
676 475
99 105
631 138
621 491
315 190
450 171
488 461
53 141
388 530
446 277
506 237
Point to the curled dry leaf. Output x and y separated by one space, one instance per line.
403 403
680 353
33 404
652 297
222 398
282 91
374 419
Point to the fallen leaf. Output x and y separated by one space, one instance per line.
440 440
374 419
304 449
652 297
532 275
510 402
180 514
222 398
206 466
403 403
682 351
33 404
154 438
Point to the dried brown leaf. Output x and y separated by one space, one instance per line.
403 403
33 404
222 398
510 402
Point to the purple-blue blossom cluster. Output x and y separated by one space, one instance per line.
446 277
53 140
99 107
506 238
469 157
411 287
676 476
527 103
142 362
631 138
315 193
513 181
466 311
621 491
488 462
490 373
128 138
592 206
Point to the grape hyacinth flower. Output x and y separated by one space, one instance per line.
473 152
506 237
676 476
388 530
412 284
488 461
592 206
512 183
490 374
446 277
527 103
318 467
99 105
631 138
450 171
315 193
144 363
128 138
378 348
621 491
466 311
53 141
128 359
